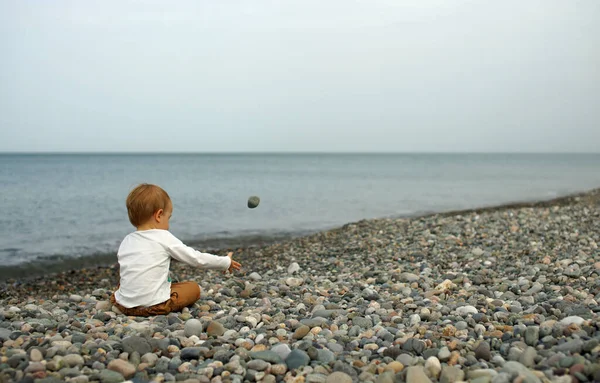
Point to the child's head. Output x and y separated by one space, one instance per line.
149 207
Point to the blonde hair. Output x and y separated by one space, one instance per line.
145 200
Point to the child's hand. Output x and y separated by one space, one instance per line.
234 265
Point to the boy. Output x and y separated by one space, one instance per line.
144 258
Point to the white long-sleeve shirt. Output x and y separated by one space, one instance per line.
144 260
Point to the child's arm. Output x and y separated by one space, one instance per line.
181 252
196 258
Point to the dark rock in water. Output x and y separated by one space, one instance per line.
253 202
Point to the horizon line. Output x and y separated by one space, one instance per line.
276 152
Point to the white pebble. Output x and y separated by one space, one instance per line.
193 327
433 367
293 267
415 319
572 320
255 276
465 310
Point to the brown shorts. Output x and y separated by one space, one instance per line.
183 294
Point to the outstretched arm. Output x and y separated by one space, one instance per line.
186 254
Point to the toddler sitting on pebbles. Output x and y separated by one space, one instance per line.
145 256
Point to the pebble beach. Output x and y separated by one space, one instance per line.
505 294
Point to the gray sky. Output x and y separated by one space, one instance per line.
300 75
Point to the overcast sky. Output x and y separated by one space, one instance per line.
300 75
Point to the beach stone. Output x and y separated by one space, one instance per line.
392 352
122 367
258 365
532 335
301 332
136 343
483 374
515 369
293 268
527 358
50 379
109 376
325 356
267 356
409 277
5 334
405 359
416 374
451 374
573 346
385 377
103 306
415 319
215 329
314 322
192 327
418 346
340 366
278 369
150 359
294 282
78 338
362 322
444 354
255 276
395 366
73 360
572 320
35 355
189 353
282 350
339 377
433 367
483 351
466 310
296 359
34 367
253 202
316 378
335 347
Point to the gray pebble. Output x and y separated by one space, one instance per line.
193 327
296 359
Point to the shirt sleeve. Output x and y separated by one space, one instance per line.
186 254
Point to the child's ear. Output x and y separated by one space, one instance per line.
158 215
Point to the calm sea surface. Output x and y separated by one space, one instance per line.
61 207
